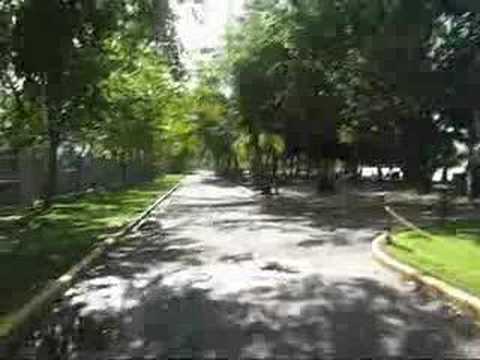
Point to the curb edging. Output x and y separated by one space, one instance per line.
459 297
14 333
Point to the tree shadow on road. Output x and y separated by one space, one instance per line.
303 318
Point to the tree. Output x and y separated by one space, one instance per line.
214 122
56 54
140 100
313 71
57 58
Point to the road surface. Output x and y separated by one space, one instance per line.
218 271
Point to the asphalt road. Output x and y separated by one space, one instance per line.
218 271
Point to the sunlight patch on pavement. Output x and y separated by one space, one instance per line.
224 279
101 294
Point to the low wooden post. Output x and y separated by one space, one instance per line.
445 202
443 205
389 222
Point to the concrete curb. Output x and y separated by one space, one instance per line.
19 324
460 298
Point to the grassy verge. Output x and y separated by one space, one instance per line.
36 247
453 255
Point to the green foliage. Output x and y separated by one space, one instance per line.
97 73
362 81
390 74
45 245
452 254
178 146
215 123
270 143
135 97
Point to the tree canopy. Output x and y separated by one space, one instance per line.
386 83
94 72
364 82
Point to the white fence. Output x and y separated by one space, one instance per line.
24 176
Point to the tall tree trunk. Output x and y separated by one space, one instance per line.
257 157
236 165
309 167
471 166
290 167
379 173
297 166
274 165
123 168
417 152
326 175
472 177
15 159
445 174
228 169
412 154
161 13
51 186
50 121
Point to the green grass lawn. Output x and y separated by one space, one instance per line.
38 246
453 255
